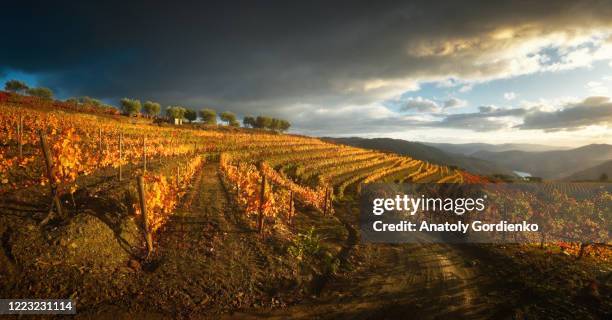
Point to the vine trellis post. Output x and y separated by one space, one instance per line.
144 153
262 197
120 156
55 201
291 206
20 136
146 219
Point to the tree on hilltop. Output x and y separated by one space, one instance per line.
191 115
263 122
130 106
15 86
248 121
90 101
275 124
209 116
279 125
230 118
284 125
151 108
176 112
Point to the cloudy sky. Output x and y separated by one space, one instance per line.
460 71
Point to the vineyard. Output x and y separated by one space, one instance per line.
266 172
316 160
253 208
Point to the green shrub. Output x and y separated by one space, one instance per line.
305 246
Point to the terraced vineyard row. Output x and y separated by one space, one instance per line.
315 175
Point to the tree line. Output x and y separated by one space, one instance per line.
263 122
207 116
133 107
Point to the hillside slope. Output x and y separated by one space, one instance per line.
211 240
471 148
593 173
551 164
425 152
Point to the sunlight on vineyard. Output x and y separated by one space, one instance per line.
278 185
82 144
306 160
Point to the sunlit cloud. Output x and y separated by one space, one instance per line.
509 96
596 87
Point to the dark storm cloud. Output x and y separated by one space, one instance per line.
262 56
591 111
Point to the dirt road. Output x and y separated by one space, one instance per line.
208 263
205 262
394 281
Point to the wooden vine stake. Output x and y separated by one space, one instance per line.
262 198
100 140
20 136
325 201
291 204
330 202
146 226
120 156
144 154
55 202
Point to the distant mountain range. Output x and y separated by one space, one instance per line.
550 164
471 148
583 163
424 152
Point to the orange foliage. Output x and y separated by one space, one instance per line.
163 191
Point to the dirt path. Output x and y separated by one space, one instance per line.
424 280
205 261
